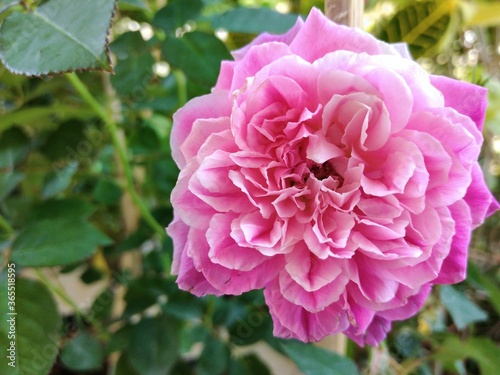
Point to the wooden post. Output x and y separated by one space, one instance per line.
349 13
345 12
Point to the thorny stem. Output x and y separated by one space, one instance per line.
120 150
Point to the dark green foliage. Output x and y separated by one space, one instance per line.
318 361
37 323
82 353
176 14
263 20
198 55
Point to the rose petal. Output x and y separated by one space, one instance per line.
211 106
293 321
468 99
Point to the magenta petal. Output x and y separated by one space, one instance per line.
225 251
293 321
310 272
410 308
225 75
193 281
178 231
253 231
359 316
333 37
257 58
375 333
466 98
312 301
481 202
201 130
454 266
185 202
188 278
226 280
209 106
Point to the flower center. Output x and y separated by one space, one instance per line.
322 171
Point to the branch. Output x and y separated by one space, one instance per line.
120 150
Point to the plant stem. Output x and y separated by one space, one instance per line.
120 150
180 78
61 293
9 231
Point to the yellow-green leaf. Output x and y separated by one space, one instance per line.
423 25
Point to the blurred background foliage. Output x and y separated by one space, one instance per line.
85 179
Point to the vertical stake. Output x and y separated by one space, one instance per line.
345 12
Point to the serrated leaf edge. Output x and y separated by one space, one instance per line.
89 69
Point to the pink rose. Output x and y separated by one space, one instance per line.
331 170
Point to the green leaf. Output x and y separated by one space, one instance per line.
133 5
134 67
91 275
58 36
263 20
485 282
5 2
57 181
484 351
144 292
198 55
252 327
119 340
59 241
317 361
423 25
408 343
14 146
176 14
248 365
481 14
8 182
71 141
62 208
37 325
42 117
144 140
154 345
107 192
184 305
83 353
123 367
214 358
462 310
103 305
